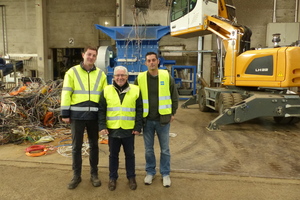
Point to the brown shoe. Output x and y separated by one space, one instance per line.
132 183
112 184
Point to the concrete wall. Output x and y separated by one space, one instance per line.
66 19
20 18
257 14
76 19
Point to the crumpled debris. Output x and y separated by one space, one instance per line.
27 111
45 139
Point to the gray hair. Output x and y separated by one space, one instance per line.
120 68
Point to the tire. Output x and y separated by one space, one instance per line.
225 101
295 120
237 98
286 120
202 101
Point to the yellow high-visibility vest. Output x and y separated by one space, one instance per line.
80 86
164 96
121 115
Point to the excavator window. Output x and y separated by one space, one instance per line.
179 8
192 4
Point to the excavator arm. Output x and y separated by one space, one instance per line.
190 18
235 38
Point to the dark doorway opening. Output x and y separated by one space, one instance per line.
64 59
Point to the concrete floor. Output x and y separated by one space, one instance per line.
254 160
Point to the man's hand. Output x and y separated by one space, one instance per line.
172 118
66 120
104 132
135 132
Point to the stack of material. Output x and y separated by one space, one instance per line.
28 111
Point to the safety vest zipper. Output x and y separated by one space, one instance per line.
89 86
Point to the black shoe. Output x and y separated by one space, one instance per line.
132 183
112 184
74 182
95 181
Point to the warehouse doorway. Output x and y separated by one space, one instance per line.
64 59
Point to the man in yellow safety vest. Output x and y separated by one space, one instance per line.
160 102
121 117
80 96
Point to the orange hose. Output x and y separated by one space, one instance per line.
41 148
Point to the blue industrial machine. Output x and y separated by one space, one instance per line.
132 44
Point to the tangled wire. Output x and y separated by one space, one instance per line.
30 106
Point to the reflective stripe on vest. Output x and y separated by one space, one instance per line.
117 115
120 118
164 95
145 106
76 108
67 89
123 109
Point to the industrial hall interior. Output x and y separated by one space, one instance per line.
235 65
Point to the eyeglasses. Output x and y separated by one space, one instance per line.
120 75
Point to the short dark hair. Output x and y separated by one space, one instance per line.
91 48
151 53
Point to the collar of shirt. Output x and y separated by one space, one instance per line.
93 68
121 89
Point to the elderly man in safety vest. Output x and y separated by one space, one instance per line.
80 96
160 102
121 117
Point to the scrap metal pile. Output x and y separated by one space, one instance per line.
30 111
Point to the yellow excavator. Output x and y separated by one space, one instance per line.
255 83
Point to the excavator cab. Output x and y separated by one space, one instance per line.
188 16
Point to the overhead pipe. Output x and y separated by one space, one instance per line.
199 61
118 12
274 11
122 19
296 10
5 51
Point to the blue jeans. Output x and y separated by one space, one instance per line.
162 133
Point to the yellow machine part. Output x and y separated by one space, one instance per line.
284 69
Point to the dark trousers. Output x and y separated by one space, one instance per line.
114 149
77 129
